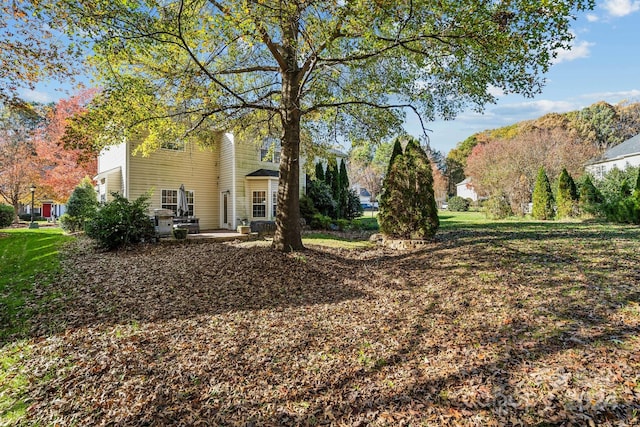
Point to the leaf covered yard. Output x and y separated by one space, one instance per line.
518 324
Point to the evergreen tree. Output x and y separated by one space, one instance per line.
590 196
344 190
542 197
567 196
335 188
319 171
408 206
397 150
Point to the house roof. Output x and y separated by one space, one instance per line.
265 172
627 148
465 182
364 192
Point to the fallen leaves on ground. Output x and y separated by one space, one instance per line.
478 328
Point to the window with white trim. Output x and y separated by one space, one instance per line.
274 203
170 201
270 151
259 204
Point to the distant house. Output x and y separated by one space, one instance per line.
226 184
621 156
466 190
365 196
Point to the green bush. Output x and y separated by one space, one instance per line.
82 205
366 223
27 217
121 223
320 194
498 206
354 208
7 215
320 222
307 208
70 223
458 204
342 224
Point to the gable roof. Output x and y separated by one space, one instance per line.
364 192
466 181
627 148
264 172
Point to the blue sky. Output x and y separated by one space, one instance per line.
603 65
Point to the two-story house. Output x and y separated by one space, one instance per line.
227 183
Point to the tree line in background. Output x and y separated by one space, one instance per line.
506 160
33 151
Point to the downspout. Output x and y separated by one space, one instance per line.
233 181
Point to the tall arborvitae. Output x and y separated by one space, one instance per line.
344 189
407 204
542 197
335 186
567 196
319 171
397 150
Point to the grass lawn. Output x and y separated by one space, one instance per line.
28 259
493 323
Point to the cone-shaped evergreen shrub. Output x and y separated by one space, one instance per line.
542 197
407 205
319 171
567 196
590 196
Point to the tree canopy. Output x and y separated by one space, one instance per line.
310 70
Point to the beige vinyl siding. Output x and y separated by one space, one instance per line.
114 184
195 167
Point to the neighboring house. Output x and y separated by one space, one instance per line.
48 209
226 184
621 156
466 190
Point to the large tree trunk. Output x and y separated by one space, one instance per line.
287 237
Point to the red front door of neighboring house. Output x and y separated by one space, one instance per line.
46 210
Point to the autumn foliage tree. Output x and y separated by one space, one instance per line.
18 162
62 167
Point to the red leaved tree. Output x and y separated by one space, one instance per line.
63 168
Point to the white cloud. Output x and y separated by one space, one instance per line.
613 97
495 91
512 113
592 18
578 50
621 7
36 96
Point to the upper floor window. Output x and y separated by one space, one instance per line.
175 145
270 151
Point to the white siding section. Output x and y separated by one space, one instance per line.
598 170
111 157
